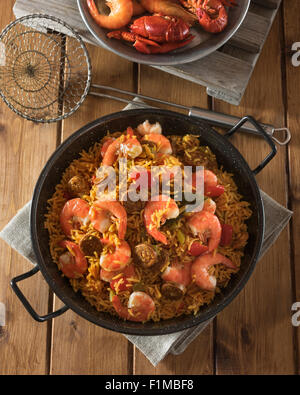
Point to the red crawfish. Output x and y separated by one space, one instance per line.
212 14
156 34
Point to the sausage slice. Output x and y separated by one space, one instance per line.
146 254
90 244
172 290
78 186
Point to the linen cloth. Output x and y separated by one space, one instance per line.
17 234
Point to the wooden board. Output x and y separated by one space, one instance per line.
226 77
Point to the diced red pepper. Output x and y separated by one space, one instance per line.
226 237
197 249
214 191
122 281
135 175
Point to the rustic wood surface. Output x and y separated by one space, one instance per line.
254 334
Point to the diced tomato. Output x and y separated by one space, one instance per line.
214 191
197 249
226 237
119 284
135 175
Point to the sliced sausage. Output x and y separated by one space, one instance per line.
78 186
172 290
90 244
146 254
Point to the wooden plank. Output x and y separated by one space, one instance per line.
214 71
198 357
91 349
251 35
268 3
292 34
219 77
254 333
23 342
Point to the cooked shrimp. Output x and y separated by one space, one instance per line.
211 186
106 144
74 214
178 273
100 219
114 208
126 145
209 205
73 262
139 308
206 226
121 12
170 8
146 128
118 259
200 266
163 144
210 178
157 212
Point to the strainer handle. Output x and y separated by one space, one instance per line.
25 302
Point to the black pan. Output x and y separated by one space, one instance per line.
172 123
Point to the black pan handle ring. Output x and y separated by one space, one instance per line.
264 134
25 302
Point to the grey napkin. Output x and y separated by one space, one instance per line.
17 234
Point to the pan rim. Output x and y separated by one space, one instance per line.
146 329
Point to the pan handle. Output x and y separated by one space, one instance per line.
25 302
263 133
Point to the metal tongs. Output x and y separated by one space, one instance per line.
211 117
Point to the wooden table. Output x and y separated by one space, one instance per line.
254 334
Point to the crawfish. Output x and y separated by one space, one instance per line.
169 7
156 34
212 14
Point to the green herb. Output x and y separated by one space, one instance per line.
138 287
111 294
180 236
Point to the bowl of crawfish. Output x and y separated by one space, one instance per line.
168 32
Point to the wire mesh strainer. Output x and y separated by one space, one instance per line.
43 76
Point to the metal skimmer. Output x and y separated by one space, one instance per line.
43 78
